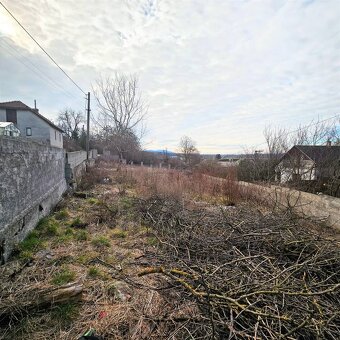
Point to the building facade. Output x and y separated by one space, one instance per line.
31 123
309 163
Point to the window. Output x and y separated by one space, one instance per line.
60 137
28 131
11 116
55 135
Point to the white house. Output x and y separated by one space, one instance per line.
31 123
229 160
309 163
9 129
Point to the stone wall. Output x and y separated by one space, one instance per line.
32 181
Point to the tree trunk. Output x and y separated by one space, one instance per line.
13 308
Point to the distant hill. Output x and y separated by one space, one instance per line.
213 156
170 153
204 156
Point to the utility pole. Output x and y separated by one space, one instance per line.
88 127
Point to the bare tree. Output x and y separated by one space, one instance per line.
70 122
277 144
122 113
119 142
276 139
316 133
187 147
279 140
120 103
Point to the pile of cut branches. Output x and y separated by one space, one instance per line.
252 276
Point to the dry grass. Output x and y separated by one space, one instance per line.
99 257
183 185
114 244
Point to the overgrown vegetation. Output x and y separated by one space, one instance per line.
169 254
186 185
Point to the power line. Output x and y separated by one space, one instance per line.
49 56
32 67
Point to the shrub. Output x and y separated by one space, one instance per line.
92 177
76 222
215 169
126 202
177 185
152 241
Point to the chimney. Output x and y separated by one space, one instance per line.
35 106
329 142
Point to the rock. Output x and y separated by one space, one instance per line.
120 291
80 194
47 254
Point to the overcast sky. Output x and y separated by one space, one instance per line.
215 70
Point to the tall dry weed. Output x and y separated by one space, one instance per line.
183 184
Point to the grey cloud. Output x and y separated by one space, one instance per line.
217 70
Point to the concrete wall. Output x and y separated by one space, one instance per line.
32 182
75 158
75 165
41 130
93 153
322 208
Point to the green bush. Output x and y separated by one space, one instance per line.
76 222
